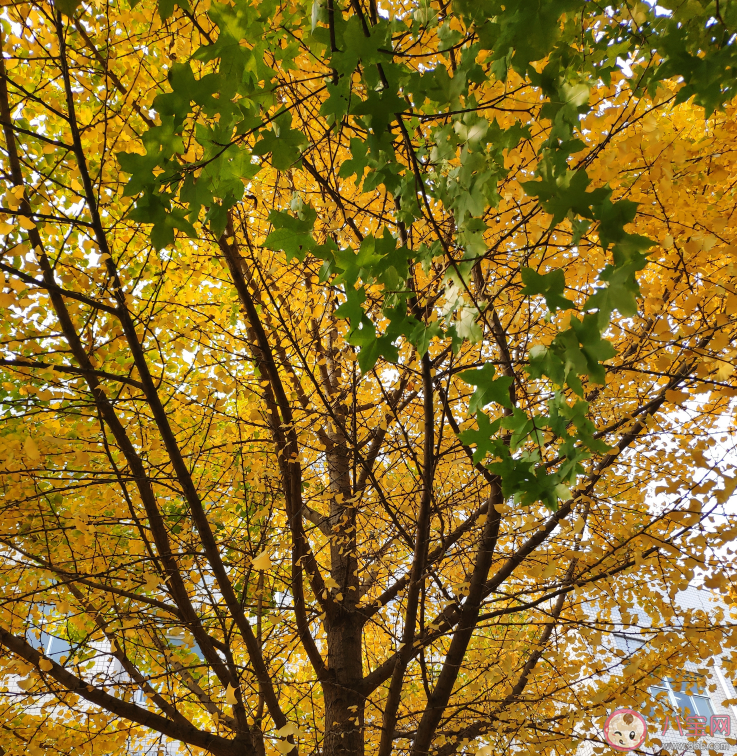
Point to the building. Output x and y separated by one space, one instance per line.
697 713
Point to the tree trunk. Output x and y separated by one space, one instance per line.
344 704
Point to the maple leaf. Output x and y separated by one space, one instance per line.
487 389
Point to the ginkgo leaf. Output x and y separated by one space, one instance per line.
550 570
283 746
677 397
25 222
262 561
578 525
230 697
26 684
45 665
289 729
31 450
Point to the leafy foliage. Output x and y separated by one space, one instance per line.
350 355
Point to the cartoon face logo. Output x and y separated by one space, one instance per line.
625 729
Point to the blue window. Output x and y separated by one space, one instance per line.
53 646
687 698
179 640
57 647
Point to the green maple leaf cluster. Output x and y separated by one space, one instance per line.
241 126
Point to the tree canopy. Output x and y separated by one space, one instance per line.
365 366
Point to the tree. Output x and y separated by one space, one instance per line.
349 354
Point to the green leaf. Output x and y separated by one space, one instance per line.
423 334
282 143
566 194
336 105
375 348
363 332
613 217
577 351
521 426
487 389
551 286
595 349
358 161
482 437
68 7
356 45
291 235
352 308
381 107
527 481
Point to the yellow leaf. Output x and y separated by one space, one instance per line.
45 665
31 450
262 561
549 570
289 729
5 228
230 698
677 397
25 684
283 747
649 124
724 371
26 222
152 582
